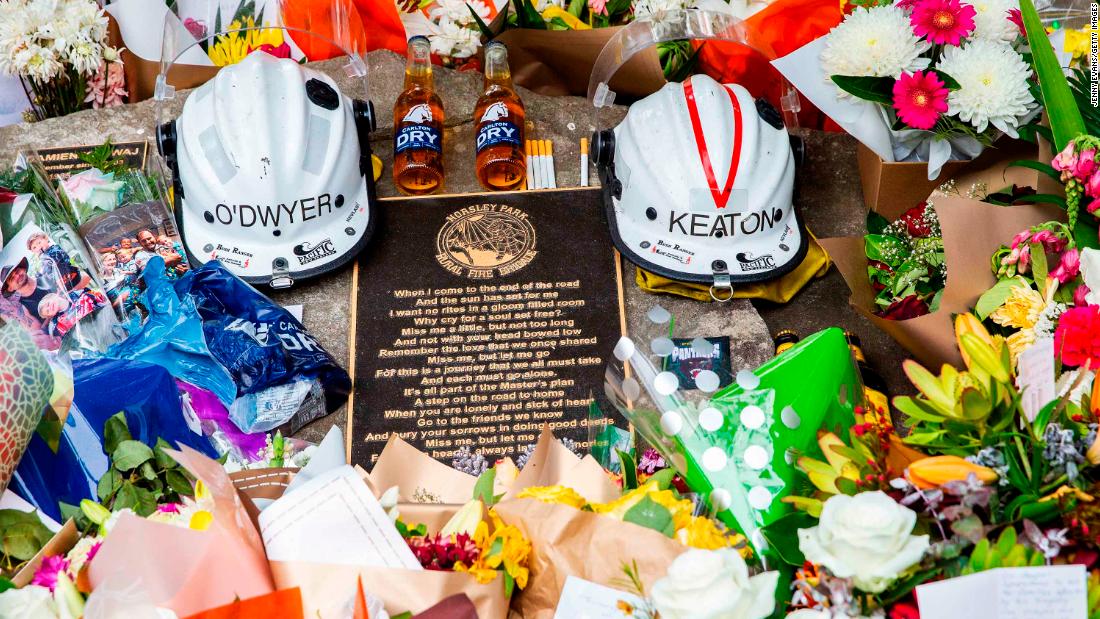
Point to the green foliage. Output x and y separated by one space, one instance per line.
1005 552
139 477
483 488
1062 110
418 530
651 515
782 536
873 89
630 471
1094 595
678 59
22 535
103 158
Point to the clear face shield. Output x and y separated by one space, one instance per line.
659 171
242 147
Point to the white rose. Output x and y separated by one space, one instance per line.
30 602
865 537
713 584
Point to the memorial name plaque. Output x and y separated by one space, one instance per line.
65 161
481 317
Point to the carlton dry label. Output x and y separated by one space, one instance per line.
418 126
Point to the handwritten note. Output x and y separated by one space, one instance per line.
584 599
333 518
1036 377
1051 592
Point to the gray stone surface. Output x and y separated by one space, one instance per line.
829 199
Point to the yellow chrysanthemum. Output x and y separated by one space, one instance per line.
618 508
504 549
1022 308
704 534
231 48
554 494
1019 341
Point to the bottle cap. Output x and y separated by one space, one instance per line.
419 37
494 43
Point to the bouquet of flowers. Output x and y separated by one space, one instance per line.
58 49
905 263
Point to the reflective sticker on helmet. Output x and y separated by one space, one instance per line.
215 155
317 146
721 196
417 137
494 133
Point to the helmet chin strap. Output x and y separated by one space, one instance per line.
722 288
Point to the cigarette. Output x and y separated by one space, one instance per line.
584 162
551 173
536 165
530 184
545 181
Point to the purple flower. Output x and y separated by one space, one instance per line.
651 462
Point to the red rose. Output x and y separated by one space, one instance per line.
904 309
915 222
904 610
1077 338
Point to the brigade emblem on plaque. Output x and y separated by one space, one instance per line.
485 241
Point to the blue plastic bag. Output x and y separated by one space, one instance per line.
264 347
148 395
172 337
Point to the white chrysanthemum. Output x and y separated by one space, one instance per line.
991 20
992 81
643 8
458 11
449 38
38 63
85 56
876 42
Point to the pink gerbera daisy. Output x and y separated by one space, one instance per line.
919 99
942 21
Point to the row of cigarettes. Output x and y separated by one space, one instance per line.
540 164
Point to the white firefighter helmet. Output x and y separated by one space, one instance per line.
272 171
699 177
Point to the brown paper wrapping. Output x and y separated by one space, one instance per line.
891 188
327 588
553 464
569 542
61 543
972 231
559 62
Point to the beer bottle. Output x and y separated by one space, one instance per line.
876 402
418 126
784 340
501 162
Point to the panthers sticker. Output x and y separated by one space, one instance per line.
486 241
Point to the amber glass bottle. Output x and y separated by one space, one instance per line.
418 126
501 162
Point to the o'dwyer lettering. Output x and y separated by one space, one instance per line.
272 215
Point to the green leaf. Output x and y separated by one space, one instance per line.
527 16
995 297
1043 198
178 482
576 7
916 409
1065 118
1085 233
873 89
404 615
663 478
1044 168
164 461
876 223
949 82
5 584
483 489
22 535
1039 265
146 470
847 486
481 25
146 501
509 584
126 497
114 432
651 515
630 470
131 454
782 536
108 484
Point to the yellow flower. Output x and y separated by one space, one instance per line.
1077 43
1019 341
618 508
232 47
702 533
1022 308
1064 490
505 549
570 20
554 494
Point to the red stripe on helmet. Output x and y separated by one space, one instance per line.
721 197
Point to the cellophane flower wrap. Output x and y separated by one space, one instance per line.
731 446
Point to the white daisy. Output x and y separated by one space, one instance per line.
38 63
991 21
448 38
993 85
877 42
643 8
85 56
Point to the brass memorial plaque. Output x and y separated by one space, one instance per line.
481 317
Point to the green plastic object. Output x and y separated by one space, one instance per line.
736 447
